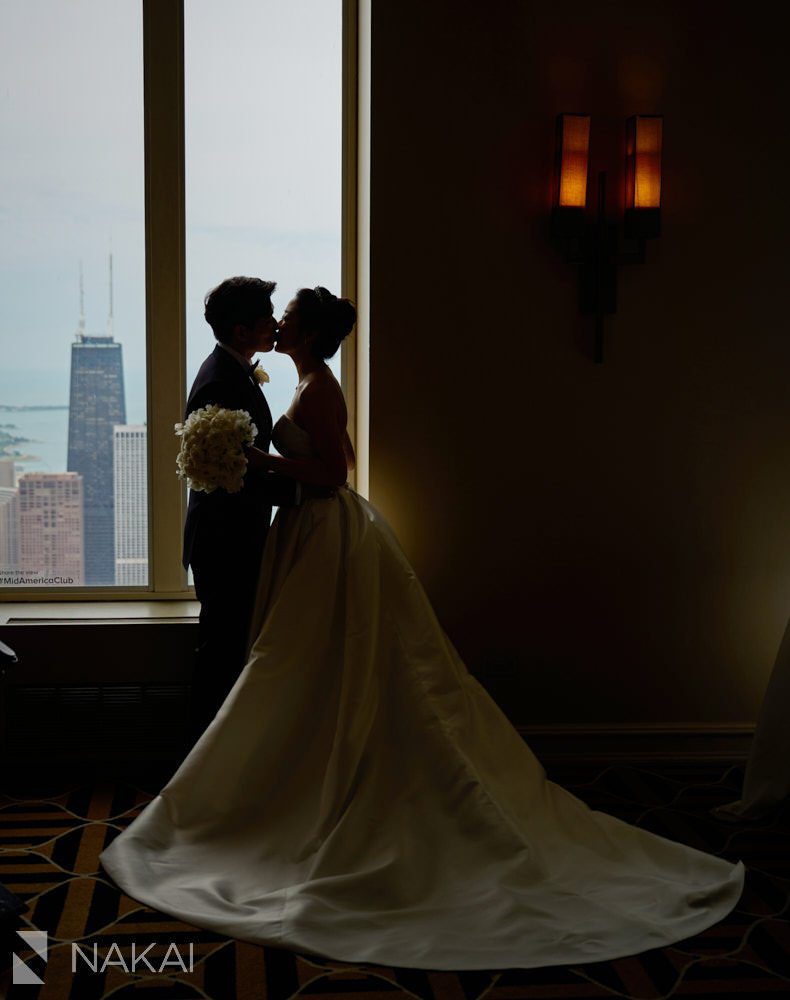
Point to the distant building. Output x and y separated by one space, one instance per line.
51 528
7 472
96 404
9 529
131 505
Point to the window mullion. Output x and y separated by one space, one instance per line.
356 224
165 283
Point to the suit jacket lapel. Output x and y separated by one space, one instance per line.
257 405
264 421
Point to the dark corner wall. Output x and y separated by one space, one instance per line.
614 539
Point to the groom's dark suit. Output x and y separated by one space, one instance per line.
224 536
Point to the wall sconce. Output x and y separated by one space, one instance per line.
573 157
597 246
643 176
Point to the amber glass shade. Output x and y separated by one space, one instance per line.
643 167
573 154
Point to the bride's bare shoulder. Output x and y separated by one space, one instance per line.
322 392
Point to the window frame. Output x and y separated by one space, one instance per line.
165 271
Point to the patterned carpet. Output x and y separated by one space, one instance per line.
51 836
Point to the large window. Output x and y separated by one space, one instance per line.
72 292
263 112
112 238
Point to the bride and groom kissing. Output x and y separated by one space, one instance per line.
356 793
225 533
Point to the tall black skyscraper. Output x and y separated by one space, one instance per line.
96 403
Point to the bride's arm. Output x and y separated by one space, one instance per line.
319 416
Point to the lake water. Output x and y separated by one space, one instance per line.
47 438
47 430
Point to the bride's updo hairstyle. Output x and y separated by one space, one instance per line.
332 318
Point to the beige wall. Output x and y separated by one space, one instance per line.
613 539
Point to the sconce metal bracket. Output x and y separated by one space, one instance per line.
598 248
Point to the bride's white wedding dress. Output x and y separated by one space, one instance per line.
360 796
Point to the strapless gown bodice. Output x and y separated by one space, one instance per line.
291 440
360 795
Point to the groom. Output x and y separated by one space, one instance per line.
224 533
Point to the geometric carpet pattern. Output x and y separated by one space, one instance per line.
51 835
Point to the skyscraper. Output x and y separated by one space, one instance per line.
131 505
96 404
9 529
7 472
50 528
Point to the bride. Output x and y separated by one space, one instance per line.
359 795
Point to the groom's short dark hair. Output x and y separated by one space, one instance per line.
237 300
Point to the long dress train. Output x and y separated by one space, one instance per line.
359 795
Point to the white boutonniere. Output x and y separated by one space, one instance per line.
259 374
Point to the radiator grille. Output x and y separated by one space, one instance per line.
89 719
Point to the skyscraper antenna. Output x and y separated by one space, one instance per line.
109 319
81 326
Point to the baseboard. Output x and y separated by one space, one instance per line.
640 743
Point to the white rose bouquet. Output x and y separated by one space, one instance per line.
211 455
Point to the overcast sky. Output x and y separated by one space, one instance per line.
263 107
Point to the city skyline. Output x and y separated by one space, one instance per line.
262 197
109 546
106 470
